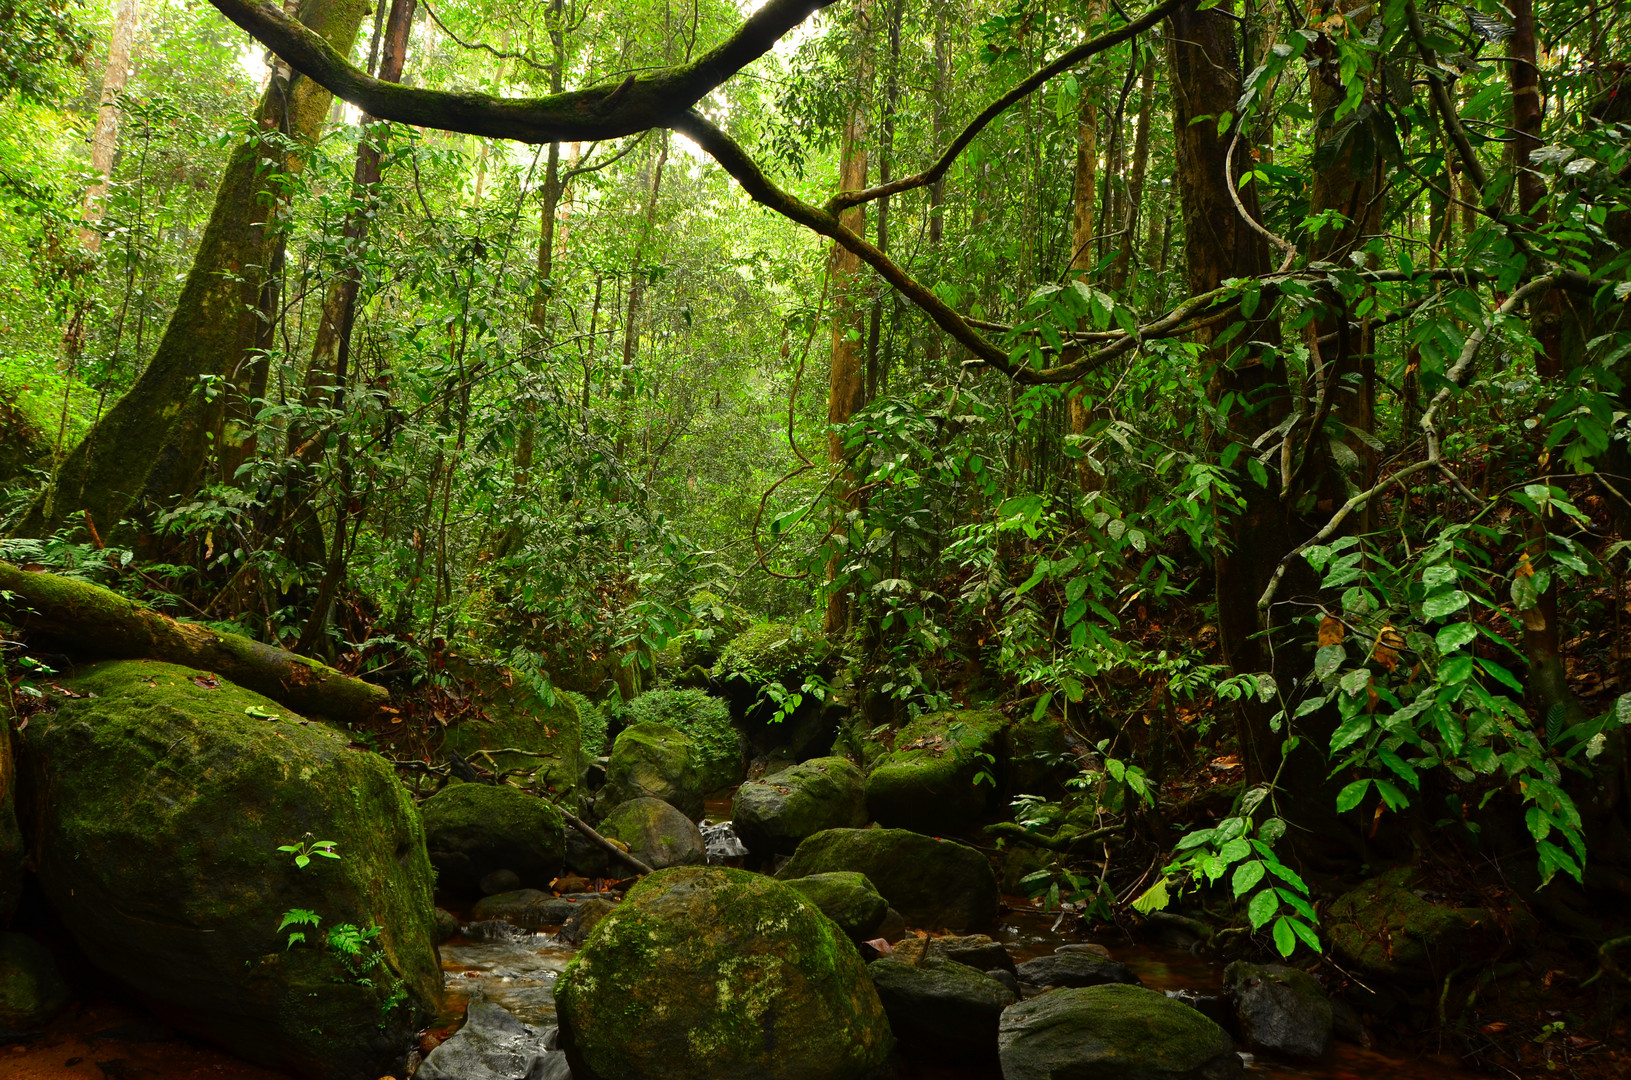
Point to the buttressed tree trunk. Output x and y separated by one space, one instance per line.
846 383
154 439
1203 54
106 136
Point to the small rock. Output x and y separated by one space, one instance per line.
31 988
584 918
1279 1009
1211 1006
447 924
1088 947
941 1008
500 881
472 830
656 833
1007 979
572 883
772 815
1112 1032
722 843
528 908
1074 970
493 1045
655 761
976 950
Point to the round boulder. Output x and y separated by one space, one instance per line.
161 798
774 814
1280 1010
848 899
940 777
474 830
656 834
934 884
1074 969
656 761
31 988
706 720
1112 1032
941 1008
709 973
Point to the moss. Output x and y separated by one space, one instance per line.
541 742
656 833
934 884
592 725
720 974
706 720
1112 1032
159 803
31 988
940 777
770 650
658 761
847 898
1385 929
473 829
774 814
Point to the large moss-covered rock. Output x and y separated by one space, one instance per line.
1112 1032
656 761
539 741
773 815
716 744
718 974
940 778
848 899
31 988
159 800
1384 929
11 837
784 657
942 1008
934 884
472 830
656 833
1036 758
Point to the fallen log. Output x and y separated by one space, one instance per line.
85 619
601 842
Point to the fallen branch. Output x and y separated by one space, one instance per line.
1013 831
87 619
601 842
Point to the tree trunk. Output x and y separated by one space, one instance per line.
106 137
1122 267
846 381
153 440
1203 54
1083 219
940 123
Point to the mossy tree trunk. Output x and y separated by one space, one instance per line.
155 441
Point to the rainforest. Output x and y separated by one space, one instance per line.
815 539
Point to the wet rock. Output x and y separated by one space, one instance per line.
1385 929
164 796
1112 1032
934 884
1006 977
1211 1006
447 925
978 951
1177 931
710 973
529 908
497 931
706 720
722 843
1074 969
656 833
1088 948
493 1045
500 881
782 653
472 830
654 761
584 856
940 777
31 987
940 1008
1279 1010
774 814
848 899
584 918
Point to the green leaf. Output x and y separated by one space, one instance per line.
1288 875
1247 875
1454 636
1350 732
1285 939
1501 675
1355 681
1439 605
1327 660
1234 851
1262 908
1306 933
1154 898
1352 795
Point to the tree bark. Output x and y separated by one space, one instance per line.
106 136
153 440
846 385
1083 218
87 619
1122 268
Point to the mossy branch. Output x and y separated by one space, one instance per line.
87 619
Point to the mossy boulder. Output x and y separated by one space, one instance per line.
473 830
940 778
772 650
941 1008
774 814
159 800
655 833
934 884
11 837
706 720
848 899
1112 1032
1036 758
538 741
763 672
656 761
1384 929
709 973
31 988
